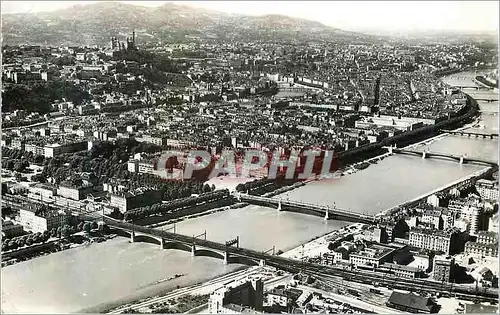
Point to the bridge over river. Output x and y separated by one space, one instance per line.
427 154
236 254
471 134
326 212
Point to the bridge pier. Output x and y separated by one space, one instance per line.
423 155
132 237
262 263
326 218
162 243
390 150
193 250
226 257
279 205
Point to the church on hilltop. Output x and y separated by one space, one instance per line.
121 46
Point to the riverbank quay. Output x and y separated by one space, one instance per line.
53 245
459 184
269 275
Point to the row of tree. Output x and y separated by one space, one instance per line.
25 240
15 165
257 184
163 208
64 231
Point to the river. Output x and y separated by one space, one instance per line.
94 277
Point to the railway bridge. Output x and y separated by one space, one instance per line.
240 255
194 245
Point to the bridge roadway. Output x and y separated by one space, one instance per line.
295 89
489 100
427 154
469 134
296 266
310 209
470 87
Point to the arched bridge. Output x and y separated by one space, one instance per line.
194 245
472 134
321 211
426 154
292 265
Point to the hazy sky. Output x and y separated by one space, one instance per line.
352 15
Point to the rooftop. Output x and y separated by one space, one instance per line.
412 301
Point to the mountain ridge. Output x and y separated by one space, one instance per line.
95 23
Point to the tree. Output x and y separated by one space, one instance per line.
38 159
21 242
331 246
65 232
13 244
94 225
80 226
206 188
86 228
9 164
39 178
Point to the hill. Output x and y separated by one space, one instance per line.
96 23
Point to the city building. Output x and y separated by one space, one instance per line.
244 293
277 297
41 220
10 229
55 149
446 241
128 200
42 192
133 166
438 199
480 249
486 237
488 189
372 256
493 224
74 192
443 267
412 303
401 271
480 308
472 214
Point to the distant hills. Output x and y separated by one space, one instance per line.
96 23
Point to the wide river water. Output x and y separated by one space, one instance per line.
95 277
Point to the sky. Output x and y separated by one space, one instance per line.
348 15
